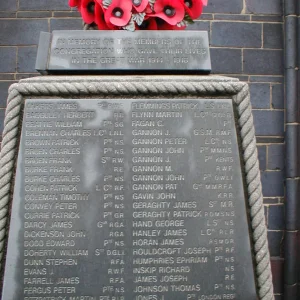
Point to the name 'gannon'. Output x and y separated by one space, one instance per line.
157 177
158 141
154 186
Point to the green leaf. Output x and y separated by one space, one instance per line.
188 18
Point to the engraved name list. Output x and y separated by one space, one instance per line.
129 200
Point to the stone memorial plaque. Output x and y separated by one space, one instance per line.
76 50
129 199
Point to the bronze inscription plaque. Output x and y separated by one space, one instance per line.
129 200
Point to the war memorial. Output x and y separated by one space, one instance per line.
128 170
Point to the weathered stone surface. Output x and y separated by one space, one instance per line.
72 50
129 199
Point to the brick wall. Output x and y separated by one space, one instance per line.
246 39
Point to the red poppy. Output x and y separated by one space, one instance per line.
87 9
171 11
140 5
99 18
149 24
74 3
162 25
119 13
148 10
194 8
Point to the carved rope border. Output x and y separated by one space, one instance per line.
239 92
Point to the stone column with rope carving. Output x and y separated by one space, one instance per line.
144 86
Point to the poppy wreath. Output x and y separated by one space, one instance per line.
139 14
